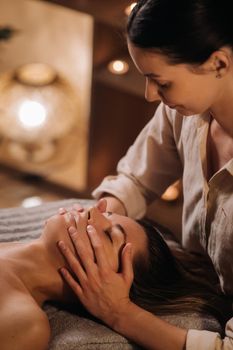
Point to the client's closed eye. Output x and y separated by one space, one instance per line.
115 233
108 234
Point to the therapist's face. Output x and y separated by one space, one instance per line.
188 89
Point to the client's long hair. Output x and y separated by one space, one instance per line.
162 285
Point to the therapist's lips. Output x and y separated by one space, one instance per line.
172 106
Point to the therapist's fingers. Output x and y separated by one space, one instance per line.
84 250
69 218
78 207
81 225
101 259
62 211
97 245
81 221
72 261
127 264
72 282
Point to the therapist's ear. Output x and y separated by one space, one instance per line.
219 62
101 205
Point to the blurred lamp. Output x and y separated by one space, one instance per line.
118 67
29 108
37 108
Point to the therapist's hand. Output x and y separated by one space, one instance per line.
102 291
77 207
101 205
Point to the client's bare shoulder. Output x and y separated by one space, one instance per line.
23 325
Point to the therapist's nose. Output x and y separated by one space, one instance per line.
151 91
98 219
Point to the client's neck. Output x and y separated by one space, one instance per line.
37 266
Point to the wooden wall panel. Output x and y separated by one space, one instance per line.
117 118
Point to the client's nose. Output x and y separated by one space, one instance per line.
98 219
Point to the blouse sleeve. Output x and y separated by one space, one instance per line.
205 340
150 165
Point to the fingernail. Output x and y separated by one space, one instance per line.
78 208
61 211
76 217
62 271
90 228
67 217
61 245
72 230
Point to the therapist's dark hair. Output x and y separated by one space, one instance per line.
186 31
162 285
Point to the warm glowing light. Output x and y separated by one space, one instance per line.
36 74
31 202
129 8
32 114
118 67
172 192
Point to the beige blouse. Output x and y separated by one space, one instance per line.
172 146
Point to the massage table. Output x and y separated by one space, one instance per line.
76 329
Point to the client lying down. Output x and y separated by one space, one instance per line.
29 275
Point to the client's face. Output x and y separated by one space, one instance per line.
116 230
